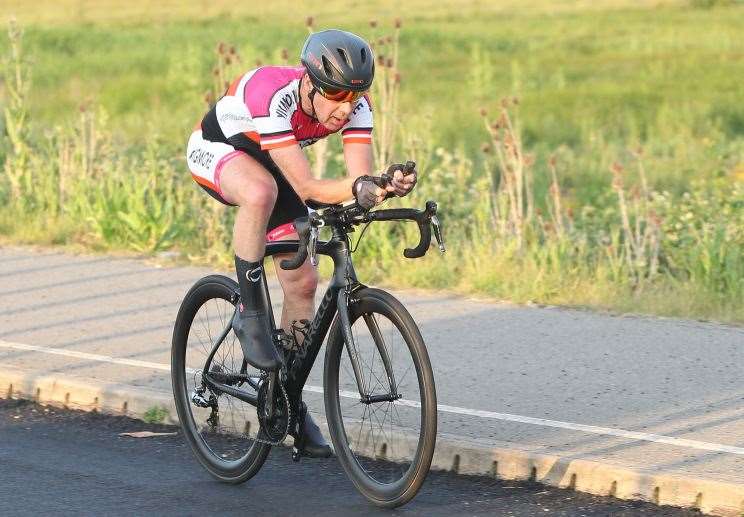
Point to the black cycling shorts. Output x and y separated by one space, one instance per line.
206 160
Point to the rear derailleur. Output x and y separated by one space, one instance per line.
199 400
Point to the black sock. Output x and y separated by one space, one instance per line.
250 280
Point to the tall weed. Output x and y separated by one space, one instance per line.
522 221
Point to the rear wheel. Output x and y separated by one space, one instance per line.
222 434
385 436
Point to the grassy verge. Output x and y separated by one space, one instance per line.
617 181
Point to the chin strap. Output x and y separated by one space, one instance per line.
311 96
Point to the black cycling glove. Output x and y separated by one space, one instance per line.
364 190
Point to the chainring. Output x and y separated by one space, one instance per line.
273 431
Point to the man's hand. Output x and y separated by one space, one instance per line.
366 193
402 185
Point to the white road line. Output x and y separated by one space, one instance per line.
608 431
84 355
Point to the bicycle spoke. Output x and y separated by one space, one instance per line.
402 379
227 439
379 445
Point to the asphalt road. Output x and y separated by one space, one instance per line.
59 462
545 374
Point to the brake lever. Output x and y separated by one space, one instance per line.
438 232
312 245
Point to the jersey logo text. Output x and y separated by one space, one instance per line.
285 104
234 116
201 157
358 107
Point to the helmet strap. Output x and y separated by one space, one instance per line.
311 96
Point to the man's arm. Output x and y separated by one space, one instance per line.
359 159
293 163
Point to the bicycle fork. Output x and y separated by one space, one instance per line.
351 349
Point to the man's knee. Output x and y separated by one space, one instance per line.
257 195
247 183
303 285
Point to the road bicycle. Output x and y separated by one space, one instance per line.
378 385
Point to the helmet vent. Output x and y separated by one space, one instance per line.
344 56
364 55
328 67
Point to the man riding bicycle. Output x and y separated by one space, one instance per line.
247 152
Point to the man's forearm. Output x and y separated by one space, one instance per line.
328 191
293 163
359 160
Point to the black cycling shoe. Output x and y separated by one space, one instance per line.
251 323
311 443
254 335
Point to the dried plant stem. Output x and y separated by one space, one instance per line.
386 88
320 154
641 240
556 212
514 201
17 84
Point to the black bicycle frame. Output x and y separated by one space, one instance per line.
335 301
342 284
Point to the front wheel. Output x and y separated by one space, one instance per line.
380 399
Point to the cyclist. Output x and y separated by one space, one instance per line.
247 152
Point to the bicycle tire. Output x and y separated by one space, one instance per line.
214 287
379 305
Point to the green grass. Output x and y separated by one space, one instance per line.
155 415
667 76
595 80
616 70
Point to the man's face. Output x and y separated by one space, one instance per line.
332 114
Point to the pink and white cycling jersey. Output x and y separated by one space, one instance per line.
262 108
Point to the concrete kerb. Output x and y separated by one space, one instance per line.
85 394
464 456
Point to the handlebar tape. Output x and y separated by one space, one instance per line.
423 245
302 225
423 221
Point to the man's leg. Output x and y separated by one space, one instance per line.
247 184
299 287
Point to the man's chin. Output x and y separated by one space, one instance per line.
333 125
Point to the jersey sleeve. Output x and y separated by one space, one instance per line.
271 102
358 130
234 120
274 132
275 139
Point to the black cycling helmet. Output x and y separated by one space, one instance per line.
338 60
